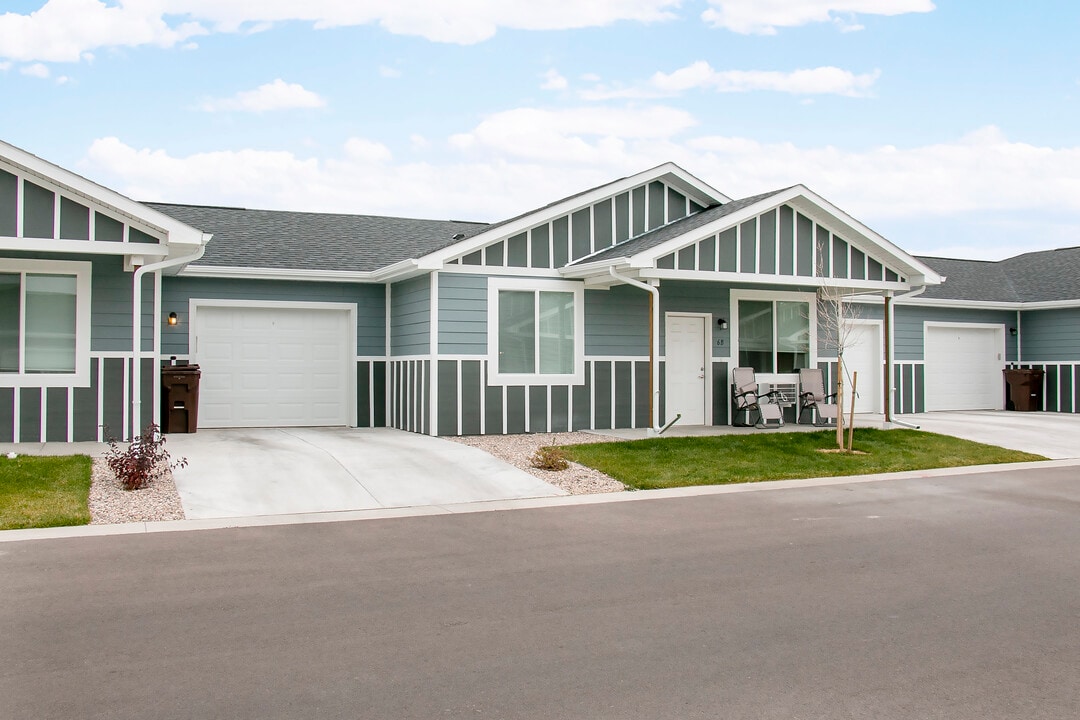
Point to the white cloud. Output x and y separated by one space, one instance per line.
521 159
553 80
5 66
389 72
765 16
62 30
276 95
701 76
36 70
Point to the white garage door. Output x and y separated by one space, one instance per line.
273 366
963 367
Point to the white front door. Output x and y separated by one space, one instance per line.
862 353
273 366
686 383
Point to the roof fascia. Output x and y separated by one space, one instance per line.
248 273
991 305
176 231
705 195
786 280
82 247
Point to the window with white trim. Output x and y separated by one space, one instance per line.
535 331
44 322
774 336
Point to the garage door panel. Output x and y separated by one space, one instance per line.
266 367
963 367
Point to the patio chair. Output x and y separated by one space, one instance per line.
747 399
812 396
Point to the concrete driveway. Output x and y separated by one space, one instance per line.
270 471
1052 435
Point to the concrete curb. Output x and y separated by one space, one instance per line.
494 505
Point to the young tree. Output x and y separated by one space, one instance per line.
835 325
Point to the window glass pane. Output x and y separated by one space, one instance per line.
517 331
50 324
756 335
792 336
9 322
556 333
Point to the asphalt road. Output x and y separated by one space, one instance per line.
937 598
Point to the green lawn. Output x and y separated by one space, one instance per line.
722 459
37 492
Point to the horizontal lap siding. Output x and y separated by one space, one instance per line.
699 297
617 321
909 342
370 303
462 314
1051 335
410 317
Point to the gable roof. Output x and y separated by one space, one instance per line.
1041 276
175 231
284 240
694 188
673 230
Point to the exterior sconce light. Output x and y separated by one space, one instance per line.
1012 331
723 324
172 318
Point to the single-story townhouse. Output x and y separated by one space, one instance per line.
626 305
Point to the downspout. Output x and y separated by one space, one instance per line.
136 326
654 348
888 312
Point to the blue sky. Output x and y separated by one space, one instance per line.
949 127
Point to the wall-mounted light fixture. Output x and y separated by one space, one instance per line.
172 318
1012 331
722 323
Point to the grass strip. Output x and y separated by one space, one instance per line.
723 459
39 492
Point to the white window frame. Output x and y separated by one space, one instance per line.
82 272
495 284
782 296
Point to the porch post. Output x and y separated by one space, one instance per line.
888 355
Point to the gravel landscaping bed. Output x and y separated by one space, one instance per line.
517 449
110 503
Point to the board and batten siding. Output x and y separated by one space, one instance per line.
410 317
50 213
463 314
586 230
176 292
779 242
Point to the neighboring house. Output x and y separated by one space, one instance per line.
622 306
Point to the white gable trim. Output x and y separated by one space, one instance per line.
811 205
68 183
697 190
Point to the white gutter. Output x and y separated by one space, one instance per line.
136 326
654 349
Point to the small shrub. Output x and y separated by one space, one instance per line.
142 461
549 458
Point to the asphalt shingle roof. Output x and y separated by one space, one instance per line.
274 239
673 230
1042 276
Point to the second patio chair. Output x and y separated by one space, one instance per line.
812 396
747 399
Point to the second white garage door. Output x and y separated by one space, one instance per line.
963 367
274 366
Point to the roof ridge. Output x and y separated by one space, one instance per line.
153 203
